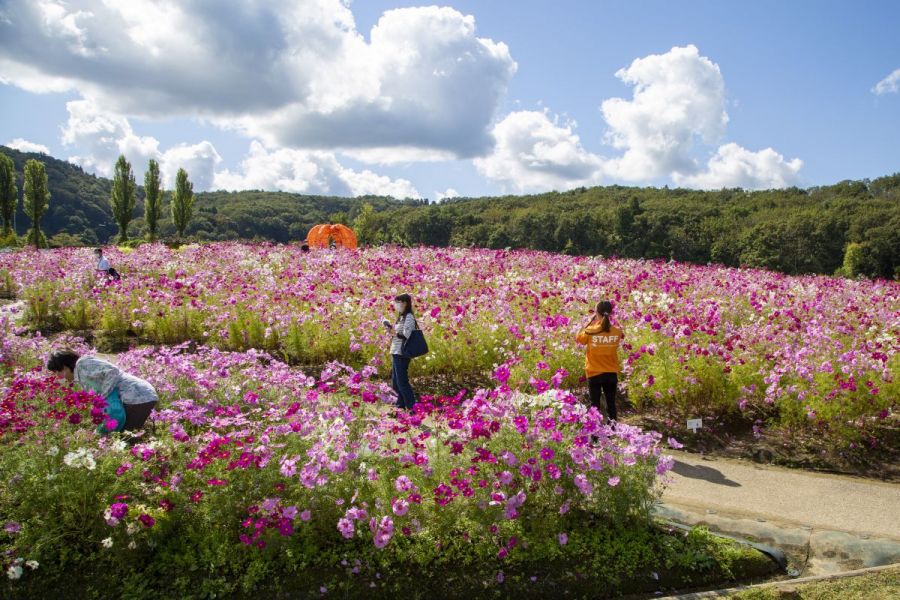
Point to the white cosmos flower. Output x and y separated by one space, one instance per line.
14 572
81 458
107 543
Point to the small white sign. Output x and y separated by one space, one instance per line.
694 424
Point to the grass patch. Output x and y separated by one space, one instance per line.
873 586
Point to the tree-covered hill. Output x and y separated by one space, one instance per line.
792 230
79 202
852 226
79 206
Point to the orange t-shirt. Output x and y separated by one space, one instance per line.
602 354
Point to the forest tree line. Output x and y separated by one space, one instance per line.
851 228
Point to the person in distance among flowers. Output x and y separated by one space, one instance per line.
601 362
402 328
103 267
129 399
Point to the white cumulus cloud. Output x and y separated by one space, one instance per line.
677 110
23 145
679 100
100 137
308 172
293 73
199 160
678 97
534 152
448 193
733 166
888 85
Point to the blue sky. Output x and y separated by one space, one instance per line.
797 77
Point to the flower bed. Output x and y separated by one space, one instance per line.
817 355
255 475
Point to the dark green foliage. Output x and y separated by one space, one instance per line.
792 230
64 240
153 201
36 201
80 200
190 562
366 225
182 202
121 199
9 195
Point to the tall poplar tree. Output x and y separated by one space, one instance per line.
9 195
121 199
152 199
182 202
37 200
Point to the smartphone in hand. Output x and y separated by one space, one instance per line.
386 323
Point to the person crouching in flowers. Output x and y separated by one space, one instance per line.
129 399
402 328
601 362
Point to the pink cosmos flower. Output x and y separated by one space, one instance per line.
146 520
403 484
118 510
584 486
400 507
345 526
288 468
501 374
383 531
285 528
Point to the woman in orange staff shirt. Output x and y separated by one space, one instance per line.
601 362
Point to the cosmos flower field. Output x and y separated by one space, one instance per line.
275 454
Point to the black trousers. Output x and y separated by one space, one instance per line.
604 384
136 415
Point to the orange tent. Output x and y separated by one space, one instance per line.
321 235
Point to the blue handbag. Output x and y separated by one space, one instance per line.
415 345
114 409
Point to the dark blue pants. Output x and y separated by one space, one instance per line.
400 382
